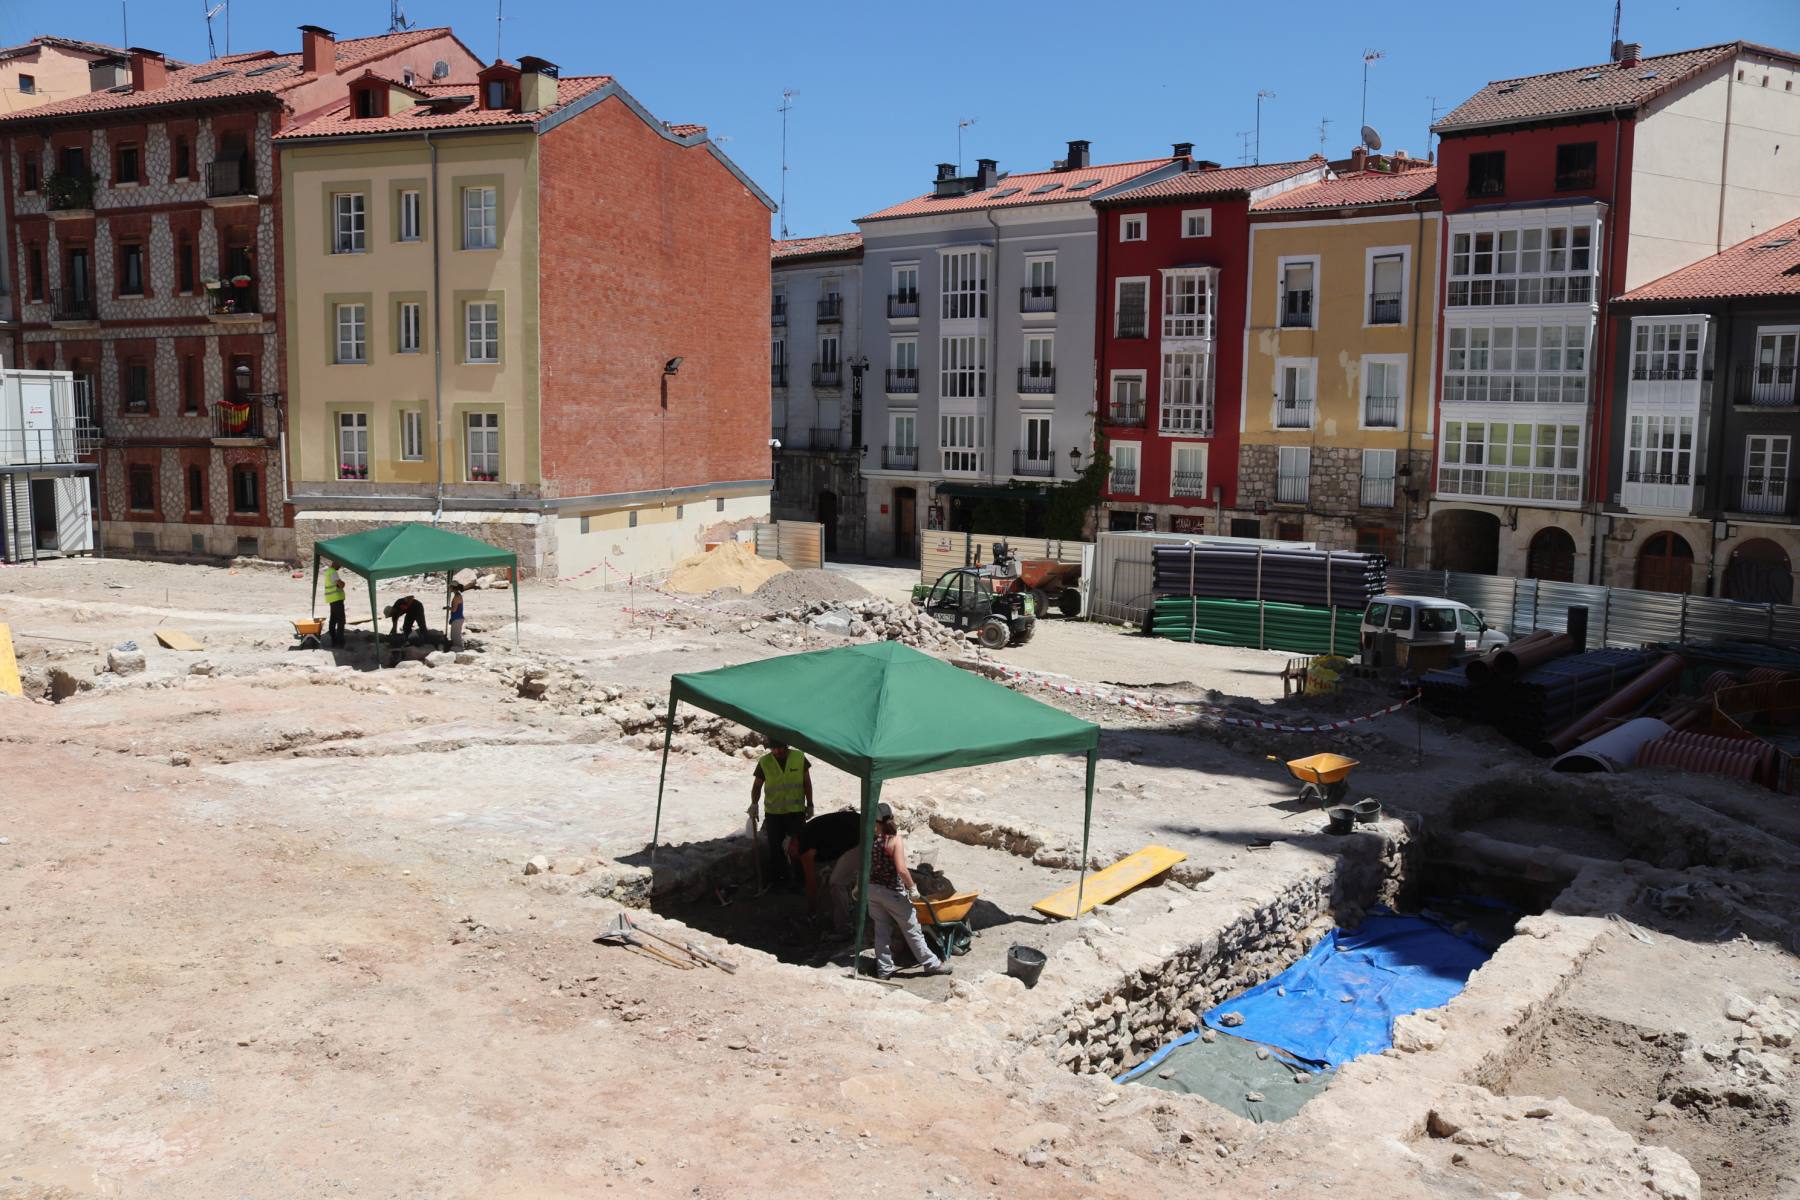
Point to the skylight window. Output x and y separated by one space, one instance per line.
212 75
1507 89
1776 243
262 71
1590 77
1083 185
1648 75
1048 187
1003 193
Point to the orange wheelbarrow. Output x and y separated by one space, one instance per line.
1324 778
945 922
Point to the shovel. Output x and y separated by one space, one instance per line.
623 935
627 925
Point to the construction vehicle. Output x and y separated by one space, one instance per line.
984 600
1050 583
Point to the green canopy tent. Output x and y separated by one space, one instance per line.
410 549
883 711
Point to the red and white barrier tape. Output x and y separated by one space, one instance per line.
1186 708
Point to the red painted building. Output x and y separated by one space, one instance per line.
1173 274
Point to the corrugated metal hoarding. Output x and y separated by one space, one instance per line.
799 544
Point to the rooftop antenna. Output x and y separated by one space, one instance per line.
1323 123
499 21
124 24
397 22
1369 56
787 105
1430 134
1618 47
1243 136
960 126
1261 95
212 51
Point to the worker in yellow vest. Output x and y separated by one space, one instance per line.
334 596
783 786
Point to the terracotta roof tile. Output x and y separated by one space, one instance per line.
1224 181
339 123
80 47
685 128
1350 191
1765 265
1015 190
816 247
1582 90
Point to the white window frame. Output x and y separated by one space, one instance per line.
1190 450
1281 271
481 332
411 335
1552 475
1404 253
1485 359
1396 363
1658 357
1182 317
1185 404
962 366
1311 368
1777 334
353 443
1521 264
964 277
1294 462
962 443
349 223
412 435
1026 421
481 220
1773 444
1045 269
1138 377
1196 222
481 445
1039 337
350 323
909 342
1134 227
898 273
1119 308
907 419
412 215
1657 439
1378 467
1121 453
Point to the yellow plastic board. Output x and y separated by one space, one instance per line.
174 639
1110 884
9 666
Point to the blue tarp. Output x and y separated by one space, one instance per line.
1340 1000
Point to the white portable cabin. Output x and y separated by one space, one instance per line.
45 505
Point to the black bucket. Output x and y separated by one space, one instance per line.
1339 820
1025 964
1367 811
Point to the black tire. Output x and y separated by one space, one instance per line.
1021 636
1069 603
1040 603
994 633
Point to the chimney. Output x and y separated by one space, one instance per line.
1630 53
1182 150
1359 159
1078 155
318 50
945 171
537 83
987 173
148 70
107 73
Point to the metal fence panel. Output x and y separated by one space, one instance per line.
1787 626
801 543
1634 617
1554 600
1404 581
768 542
1713 620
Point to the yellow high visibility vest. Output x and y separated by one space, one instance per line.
334 586
784 784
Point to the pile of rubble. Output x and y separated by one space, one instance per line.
876 620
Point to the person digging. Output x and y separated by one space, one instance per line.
827 842
783 787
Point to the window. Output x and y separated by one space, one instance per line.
965 285
1297 294
27 85
246 490
1037 457
484 447
777 362
1767 460
1378 478
1667 348
365 103
481 321
1132 227
1527 364
1538 265
1039 292
962 366
142 479
196 490
1293 474
1188 477
1187 396
1772 377
73 159
1294 393
1515 460
126 165
352 333
137 385
1187 304
481 213
353 445
28 172
411 224
349 223
1127 398
1196 223
1659 449
183 164
412 435
411 332
903 434
190 384
1487 173
131 269
904 364
1387 274
1575 166
1381 391
906 285
1123 478
1039 371
184 265
1131 308
962 440
496 93
34 271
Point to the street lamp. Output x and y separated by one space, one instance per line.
240 375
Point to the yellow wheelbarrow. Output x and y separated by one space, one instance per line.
946 922
308 633
1324 778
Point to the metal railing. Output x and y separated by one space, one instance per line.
1187 483
778 312
237 419
1294 414
1378 491
64 192
1384 308
827 439
61 442
777 375
903 304
1765 493
1382 412
1765 387
1662 373
1297 313
903 380
1665 478
1039 468
1125 414
1291 489
229 299
1122 481
1039 299
899 458
230 177
831 308
1133 325
1194 420
1038 379
827 375
66 304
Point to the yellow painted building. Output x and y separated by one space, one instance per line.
1341 338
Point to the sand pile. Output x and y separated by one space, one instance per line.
732 565
797 589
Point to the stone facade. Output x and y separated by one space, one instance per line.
1334 515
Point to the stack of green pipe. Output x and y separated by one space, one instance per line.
1299 628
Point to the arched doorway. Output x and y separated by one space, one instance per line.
1551 556
1759 572
827 516
906 523
1463 539
1666 564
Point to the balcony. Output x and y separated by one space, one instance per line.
1039 299
833 438
1660 491
1765 387
1038 380
42 446
1297 313
778 311
1133 325
233 302
1191 420
1766 494
1294 414
903 381
831 310
1384 308
1187 483
230 181
1122 481
903 304
1378 491
69 196
1382 412
1291 489
1035 468
73 306
1130 415
827 375
777 375
238 421
899 458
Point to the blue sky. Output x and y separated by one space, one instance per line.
882 87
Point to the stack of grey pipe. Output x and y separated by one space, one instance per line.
1317 578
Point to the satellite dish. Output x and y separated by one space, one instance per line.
440 69
1371 139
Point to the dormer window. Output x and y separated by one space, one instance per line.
368 100
499 87
496 93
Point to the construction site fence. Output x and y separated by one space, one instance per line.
799 544
940 550
1759 710
1616 616
1120 585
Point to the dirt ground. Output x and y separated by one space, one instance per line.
270 931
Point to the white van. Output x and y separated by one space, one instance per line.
1428 621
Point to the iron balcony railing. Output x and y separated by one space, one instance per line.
777 375
229 299
1039 299
903 304
1378 491
1661 478
1661 373
831 308
1187 483
1133 325
778 312
903 380
827 439
1125 414
237 419
1297 312
1384 308
1766 387
1039 468
1766 493
827 375
1294 414
1122 481
899 458
230 177
1037 379
1382 412
1290 489
70 304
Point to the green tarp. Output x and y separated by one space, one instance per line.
883 711
410 549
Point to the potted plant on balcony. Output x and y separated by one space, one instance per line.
352 471
240 280
64 191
